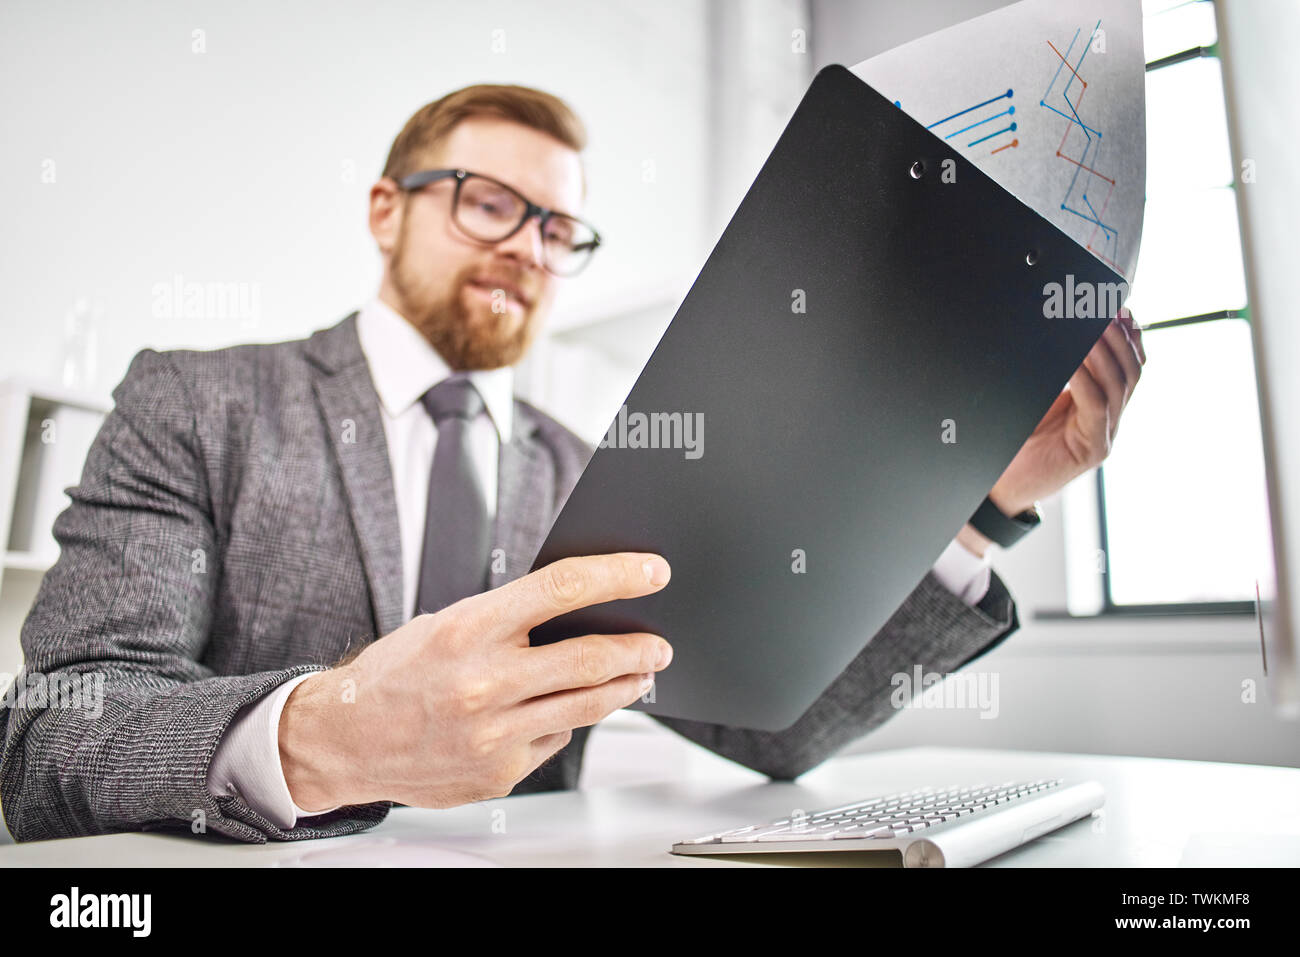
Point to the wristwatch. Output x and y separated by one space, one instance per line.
1002 529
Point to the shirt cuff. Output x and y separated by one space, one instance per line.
247 760
963 572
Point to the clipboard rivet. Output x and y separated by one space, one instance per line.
917 169
1031 257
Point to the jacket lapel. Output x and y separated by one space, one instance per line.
350 408
525 502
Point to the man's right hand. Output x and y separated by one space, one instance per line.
456 706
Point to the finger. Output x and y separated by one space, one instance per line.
587 661
580 707
547 747
1106 371
1090 401
1127 357
573 583
1134 332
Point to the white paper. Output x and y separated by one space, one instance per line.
1047 97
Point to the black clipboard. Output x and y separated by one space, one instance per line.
824 430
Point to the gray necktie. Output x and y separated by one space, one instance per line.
454 562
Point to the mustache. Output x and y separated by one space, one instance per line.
513 285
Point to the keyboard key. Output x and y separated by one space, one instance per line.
750 835
817 835
739 830
885 832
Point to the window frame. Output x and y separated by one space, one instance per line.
1108 607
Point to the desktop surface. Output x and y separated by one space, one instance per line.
1158 813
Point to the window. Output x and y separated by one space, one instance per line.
1178 513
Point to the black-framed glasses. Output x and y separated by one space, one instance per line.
489 211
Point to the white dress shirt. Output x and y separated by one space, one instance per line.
404 366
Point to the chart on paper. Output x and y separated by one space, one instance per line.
1047 97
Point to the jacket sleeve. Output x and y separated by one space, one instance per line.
933 628
123 619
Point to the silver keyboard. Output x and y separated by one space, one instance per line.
952 826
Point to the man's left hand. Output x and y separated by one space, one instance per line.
1077 432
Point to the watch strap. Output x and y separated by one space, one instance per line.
1004 530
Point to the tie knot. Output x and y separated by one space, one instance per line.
453 397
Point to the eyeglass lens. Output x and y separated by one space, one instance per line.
489 212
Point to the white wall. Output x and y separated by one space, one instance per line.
250 162
1264 137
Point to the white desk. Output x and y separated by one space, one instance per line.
1158 813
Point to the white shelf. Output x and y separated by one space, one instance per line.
56 394
28 561
45 431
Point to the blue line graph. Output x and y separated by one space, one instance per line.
1009 129
1009 111
1072 202
991 101
1000 96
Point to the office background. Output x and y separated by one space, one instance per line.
151 146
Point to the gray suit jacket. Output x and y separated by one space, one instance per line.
235 525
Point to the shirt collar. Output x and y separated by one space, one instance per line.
404 366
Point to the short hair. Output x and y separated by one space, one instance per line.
433 122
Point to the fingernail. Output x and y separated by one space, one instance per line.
656 571
646 682
665 655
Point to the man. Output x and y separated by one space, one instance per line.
372 497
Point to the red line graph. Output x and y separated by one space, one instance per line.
1060 152
1072 70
